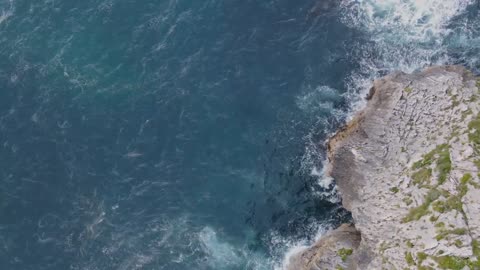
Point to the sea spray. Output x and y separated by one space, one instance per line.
402 36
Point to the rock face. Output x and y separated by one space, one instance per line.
407 167
330 252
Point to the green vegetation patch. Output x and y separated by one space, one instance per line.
409 258
444 164
417 213
451 262
464 181
477 163
458 243
474 128
441 157
394 190
407 200
422 176
452 203
426 161
421 256
440 225
422 210
444 233
409 244
466 113
455 202
344 253
476 248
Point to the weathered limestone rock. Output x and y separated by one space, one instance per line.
407 167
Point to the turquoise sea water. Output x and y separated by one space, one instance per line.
186 134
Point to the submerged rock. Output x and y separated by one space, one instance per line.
407 167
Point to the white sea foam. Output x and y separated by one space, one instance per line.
6 11
420 20
403 35
294 247
317 102
223 255
328 191
292 251
219 253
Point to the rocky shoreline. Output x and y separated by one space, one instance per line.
407 168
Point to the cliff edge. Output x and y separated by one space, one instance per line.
407 167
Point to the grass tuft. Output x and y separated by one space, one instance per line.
440 155
474 128
409 258
344 253
422 210
422 176
394 190
451 262
444 164
421 256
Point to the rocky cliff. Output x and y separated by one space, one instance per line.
407 167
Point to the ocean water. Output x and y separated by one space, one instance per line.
187 134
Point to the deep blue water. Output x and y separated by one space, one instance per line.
186 134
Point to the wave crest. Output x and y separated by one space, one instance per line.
404 35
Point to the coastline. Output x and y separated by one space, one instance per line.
406 168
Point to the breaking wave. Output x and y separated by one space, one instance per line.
402 35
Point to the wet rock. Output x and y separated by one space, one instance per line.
332 251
